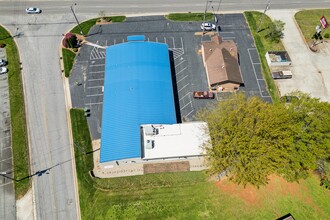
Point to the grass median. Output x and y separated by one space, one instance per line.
17 116
87 25
189 16
187 195
263 45
68 60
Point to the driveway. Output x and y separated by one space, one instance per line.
311 71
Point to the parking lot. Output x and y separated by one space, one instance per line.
183 40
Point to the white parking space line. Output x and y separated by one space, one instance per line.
179 63
228 38
10 182
185 106
94 103
184 96
5 137
165 40
184 87
182 78
9 158
255 74
96 65
114 41
102 71
94 95
156 39
173 42
181 71
91 80
189 113
93 87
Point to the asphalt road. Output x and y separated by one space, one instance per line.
38 43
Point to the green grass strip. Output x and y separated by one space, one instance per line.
87 25
263 45
68 60
17 115
189 16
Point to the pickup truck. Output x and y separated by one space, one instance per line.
282 75
203 95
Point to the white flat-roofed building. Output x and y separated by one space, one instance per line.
174 141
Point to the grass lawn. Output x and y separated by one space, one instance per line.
68 59
17 115
263 45
87 25
188 195
309 19
189 16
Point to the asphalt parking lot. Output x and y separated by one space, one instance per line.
183 40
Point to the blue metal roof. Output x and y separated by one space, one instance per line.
137 90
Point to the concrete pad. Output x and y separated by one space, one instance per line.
311 71
25 207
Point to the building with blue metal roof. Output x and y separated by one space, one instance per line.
137 90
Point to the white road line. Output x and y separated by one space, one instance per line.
90 80
94 87
184 96
97 72
181 71
182 78
95 103
94 95
179 63
183 87
185 106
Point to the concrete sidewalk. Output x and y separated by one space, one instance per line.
311 71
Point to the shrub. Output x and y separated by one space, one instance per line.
75 50
326 35
2 45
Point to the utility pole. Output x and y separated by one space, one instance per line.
263 15
206 7
74 14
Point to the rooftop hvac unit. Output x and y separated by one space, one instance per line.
150 144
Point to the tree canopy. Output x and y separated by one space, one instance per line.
274 31
253 139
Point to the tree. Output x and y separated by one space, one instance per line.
252 139
275 29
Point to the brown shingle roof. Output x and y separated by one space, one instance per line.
221 61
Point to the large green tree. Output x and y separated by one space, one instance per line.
252 138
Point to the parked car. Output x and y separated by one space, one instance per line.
3 62
208 27
282 75
203 95
33 10
3 70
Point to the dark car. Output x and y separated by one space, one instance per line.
282 75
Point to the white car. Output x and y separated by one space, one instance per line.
33 10
3 70
208 27
3 62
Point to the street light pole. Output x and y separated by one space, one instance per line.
263 15
74 14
